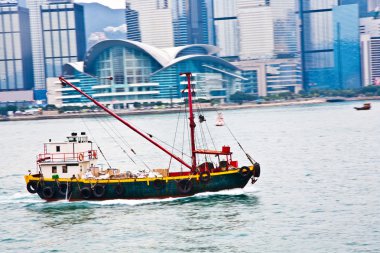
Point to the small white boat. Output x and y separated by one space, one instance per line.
219 120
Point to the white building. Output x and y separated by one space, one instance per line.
155 22
370 50
256 30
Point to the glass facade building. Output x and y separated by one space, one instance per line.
132 21
142 73
16 72
226 35
326 36
63 35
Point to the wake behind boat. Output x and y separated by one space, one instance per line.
69 170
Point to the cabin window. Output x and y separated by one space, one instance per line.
54 169
64 169
58 148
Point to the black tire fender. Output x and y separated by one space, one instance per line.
204 176
86 192
119 190
256 170
99 190
63 188
159 184
245 171
185 186
48 192
32 186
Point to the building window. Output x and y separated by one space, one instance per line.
58 148
54 169
64 169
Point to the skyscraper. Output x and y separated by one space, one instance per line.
16 71
226 27
63 35
330 44
256 29
154 21
58 36
182 21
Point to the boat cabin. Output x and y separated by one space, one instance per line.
72 158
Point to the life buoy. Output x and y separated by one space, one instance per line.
94 154
245 171
204 177
119 190
32 186
256 170
85 192
64 188
159 184
81 157
48 192
99 190
185 186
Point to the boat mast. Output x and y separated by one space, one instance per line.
192 122
64 81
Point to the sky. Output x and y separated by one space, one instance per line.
114 4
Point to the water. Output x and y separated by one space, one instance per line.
319 189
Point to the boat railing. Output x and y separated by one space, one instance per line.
67 157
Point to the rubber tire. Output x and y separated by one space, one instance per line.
204 177
119 190
245 171
32 187
184 186
86 192
256 170
99 190
62 188
48 192
159 184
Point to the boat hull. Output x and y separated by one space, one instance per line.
55 189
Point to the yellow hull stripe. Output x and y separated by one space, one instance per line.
128 180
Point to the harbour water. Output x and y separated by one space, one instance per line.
318 191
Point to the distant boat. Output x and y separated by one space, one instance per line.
366 106
335 100
219 120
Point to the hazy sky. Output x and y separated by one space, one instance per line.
115 4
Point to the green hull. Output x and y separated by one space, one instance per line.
49 189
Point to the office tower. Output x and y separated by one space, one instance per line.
16 72
370 50
256 29
132 21
154 20
330 44
285 28
63 35
57 32
226 34
198 24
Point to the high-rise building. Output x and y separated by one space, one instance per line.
256 30
330 44
182 21
16 72
226 35
58 37
63 35
132 21
370 50
154 21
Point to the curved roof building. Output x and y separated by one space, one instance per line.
143 73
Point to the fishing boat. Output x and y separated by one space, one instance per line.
68 170
366 106
219 120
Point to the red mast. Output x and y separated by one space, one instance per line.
64 81
192 122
